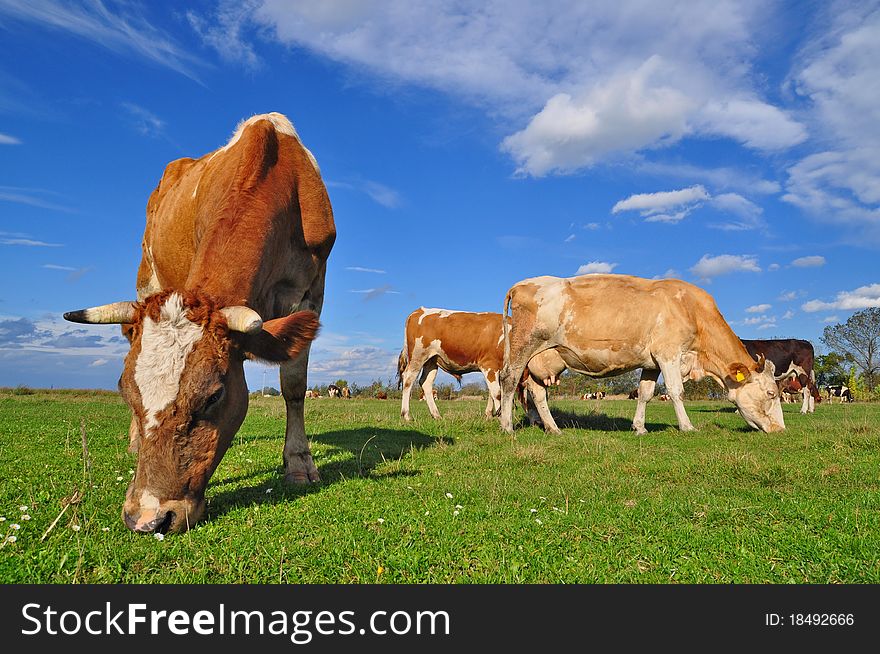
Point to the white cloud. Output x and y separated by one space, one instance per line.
52 266
863 297
709 266
788 315
143 120
673 206
5 139
592 226
373 293
840 181
379 193
830 319
367 270
759 308
569 238
649 204
125 32
720 178
33 197
28 242
596 267
773 266
809 262
788 296
99 362
767 325
583 82
671 273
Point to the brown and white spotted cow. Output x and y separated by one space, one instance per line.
605 325
233 267
793 358
460 342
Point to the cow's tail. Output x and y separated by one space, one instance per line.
505 327
402 361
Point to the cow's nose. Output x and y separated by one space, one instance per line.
159 524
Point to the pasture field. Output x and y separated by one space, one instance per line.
457 500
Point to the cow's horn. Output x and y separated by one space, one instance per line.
242 319
106 314
761 359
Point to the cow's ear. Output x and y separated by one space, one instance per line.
281 339
738 372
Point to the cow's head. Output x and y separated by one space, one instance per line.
184 382
754 391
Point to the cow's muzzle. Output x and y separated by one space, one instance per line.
160 524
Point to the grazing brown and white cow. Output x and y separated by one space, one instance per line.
460 342
605 325
333 390
792 358
233 267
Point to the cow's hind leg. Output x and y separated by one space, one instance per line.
539 399
408 379
426 381
299 467
647 383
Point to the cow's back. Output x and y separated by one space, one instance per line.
239 222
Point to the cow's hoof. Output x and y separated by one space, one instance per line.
640 431
301 469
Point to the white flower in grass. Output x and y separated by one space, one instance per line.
380 520
106 529
538 520
120 478
2 518
15 526
25 517
75 527
23 508
159 536
459 506
449 495
427 513
455 513
11 539
268 490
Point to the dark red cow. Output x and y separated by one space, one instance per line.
793 359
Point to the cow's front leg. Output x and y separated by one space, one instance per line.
299 467
675 390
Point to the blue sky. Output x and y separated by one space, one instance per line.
465 146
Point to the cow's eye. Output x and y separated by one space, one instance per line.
216 397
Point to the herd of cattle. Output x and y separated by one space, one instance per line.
234 256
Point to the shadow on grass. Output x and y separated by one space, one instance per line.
369 448
595 422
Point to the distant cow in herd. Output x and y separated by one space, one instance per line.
346 393
793 359
334 391
666 326
233 265
598 395
460 342
839 391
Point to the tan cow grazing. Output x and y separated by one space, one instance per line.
233 267
460 342
605 325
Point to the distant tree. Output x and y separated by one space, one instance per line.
830 369
858 337
341 383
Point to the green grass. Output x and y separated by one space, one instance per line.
595 504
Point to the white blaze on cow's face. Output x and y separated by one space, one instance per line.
758 400
165 345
